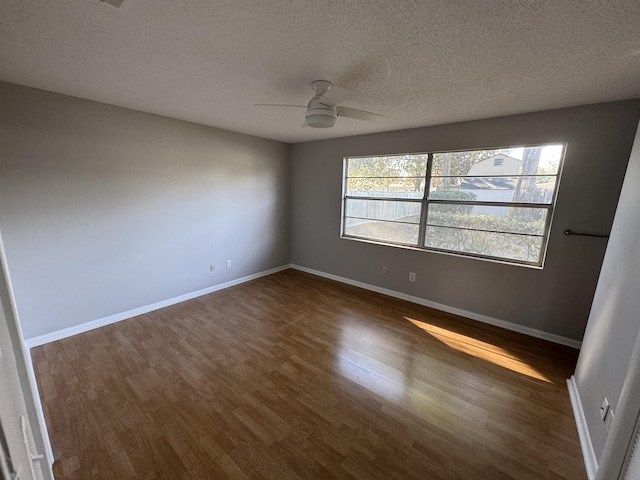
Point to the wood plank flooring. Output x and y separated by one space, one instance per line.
293 376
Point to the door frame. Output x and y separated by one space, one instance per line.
24 366
627 418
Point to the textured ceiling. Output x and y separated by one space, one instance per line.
417 62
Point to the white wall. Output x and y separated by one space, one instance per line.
105 209
614 322
554 300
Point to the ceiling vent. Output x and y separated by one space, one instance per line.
114 3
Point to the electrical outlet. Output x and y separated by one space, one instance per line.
212 267
412 276
604 409
609 420
384 269
228 263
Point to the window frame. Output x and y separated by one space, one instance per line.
425 202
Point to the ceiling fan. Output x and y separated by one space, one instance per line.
323 110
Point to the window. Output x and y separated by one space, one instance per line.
494 204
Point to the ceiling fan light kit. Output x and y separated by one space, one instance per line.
320 118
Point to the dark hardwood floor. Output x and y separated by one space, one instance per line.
295 376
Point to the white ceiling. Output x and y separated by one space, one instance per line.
417 62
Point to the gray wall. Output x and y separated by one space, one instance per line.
614 322
105 209
556 299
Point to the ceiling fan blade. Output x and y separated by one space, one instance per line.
277 105
357 114
333 96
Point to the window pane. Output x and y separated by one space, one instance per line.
488 217
525 189
501 245
539 160
391 166
383 231
383 210
386 187
476 162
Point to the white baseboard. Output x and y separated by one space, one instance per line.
101 322
446 308
85 327
590 461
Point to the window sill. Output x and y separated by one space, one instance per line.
443 252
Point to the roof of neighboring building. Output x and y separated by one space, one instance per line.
499 183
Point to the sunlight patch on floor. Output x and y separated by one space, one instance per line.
360 345
479 349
